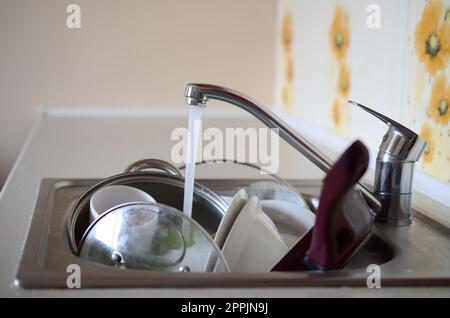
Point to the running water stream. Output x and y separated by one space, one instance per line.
194 131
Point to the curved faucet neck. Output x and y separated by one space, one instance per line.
199 94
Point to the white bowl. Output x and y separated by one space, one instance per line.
111 196
292 221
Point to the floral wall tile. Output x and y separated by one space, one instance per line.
328 54
428 83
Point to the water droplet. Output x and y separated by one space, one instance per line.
117 257
184 269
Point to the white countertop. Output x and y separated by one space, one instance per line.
68 147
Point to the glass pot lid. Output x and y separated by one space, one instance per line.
150 236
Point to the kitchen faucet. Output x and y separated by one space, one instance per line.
400 149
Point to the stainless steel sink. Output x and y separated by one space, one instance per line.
417 255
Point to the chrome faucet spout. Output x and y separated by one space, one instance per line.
199 94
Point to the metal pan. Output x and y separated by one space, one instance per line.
165 185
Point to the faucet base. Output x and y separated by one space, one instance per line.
392 222
396 209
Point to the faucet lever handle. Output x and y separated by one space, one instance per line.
399 141
383 118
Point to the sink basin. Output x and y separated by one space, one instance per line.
418 255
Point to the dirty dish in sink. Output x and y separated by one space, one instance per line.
166 188
236 205
291 220
150 236
270 190
253 243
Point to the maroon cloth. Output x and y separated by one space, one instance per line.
343 218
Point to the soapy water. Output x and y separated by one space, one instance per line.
194 127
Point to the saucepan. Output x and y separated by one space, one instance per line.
150 236
165 184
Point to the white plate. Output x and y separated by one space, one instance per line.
230 216
291 220
253 243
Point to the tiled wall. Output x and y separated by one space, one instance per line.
330 51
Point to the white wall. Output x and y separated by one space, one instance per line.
134 52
